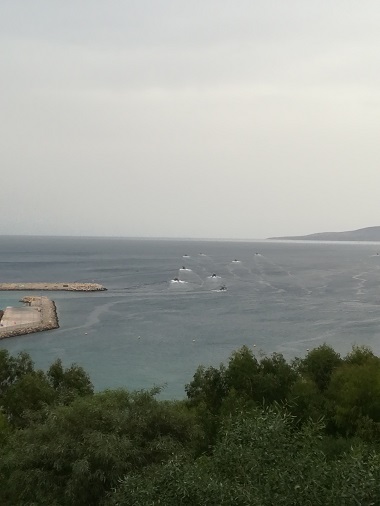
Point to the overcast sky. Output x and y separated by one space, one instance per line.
201 118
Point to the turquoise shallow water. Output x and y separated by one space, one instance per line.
8 299
146 330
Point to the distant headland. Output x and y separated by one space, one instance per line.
362 234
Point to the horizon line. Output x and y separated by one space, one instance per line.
139 237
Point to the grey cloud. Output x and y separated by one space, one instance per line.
213 118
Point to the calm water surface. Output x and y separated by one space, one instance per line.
147 330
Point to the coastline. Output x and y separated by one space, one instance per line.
48 318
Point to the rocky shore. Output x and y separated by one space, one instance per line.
70 287
48 318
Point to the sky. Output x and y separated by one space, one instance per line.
202 118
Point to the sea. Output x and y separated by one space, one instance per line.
172 305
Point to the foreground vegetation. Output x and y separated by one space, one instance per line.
257 431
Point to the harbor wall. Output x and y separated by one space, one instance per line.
48 320
69 287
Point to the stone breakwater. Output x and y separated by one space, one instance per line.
70 287
48 318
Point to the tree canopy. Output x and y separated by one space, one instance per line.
257 430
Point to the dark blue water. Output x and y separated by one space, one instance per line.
146 330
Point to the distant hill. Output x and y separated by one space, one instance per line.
362 234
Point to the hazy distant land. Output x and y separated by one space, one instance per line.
362 234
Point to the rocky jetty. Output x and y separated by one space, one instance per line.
47 320
69 287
